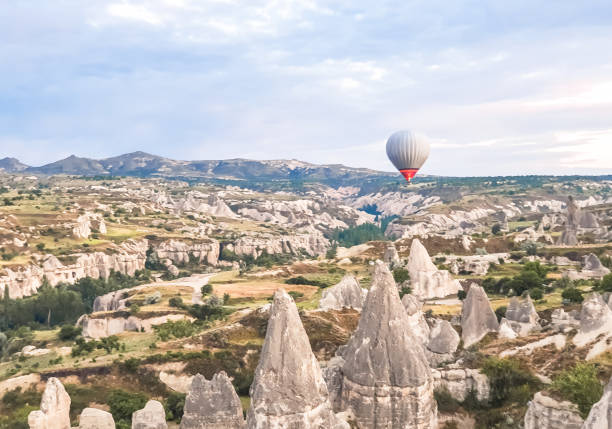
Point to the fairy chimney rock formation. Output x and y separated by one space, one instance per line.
288 389
212 404
347 293
152 416
425 278
477 316
391 257
521 316
54 408
387 382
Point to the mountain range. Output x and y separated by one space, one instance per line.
141 164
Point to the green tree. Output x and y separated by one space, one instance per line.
580 386
572 294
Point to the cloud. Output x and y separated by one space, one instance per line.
311 79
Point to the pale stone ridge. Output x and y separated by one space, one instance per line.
387 382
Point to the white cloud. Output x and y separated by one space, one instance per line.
134 12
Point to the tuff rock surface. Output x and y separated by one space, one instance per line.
600 416
347 293
54 408
544 412
152 416
459 382
92 418
425 278
212 404
477 316
387 382
521 316
288 389
442 343
416 319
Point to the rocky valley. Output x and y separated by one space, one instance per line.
143 292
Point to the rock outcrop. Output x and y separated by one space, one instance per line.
391 257
544 412
212 404
600 416
425 278
459 382
595 324
126 258
477 316
92 418
593 266
347 293
100 327
54 410
416 319
152 416
386 379
313 243
181 253
288 389
443 342
521 316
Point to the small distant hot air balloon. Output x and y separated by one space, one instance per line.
408 152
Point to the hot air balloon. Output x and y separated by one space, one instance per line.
408 152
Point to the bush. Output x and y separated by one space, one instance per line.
580 386
461 294
301 280
500 312
176 301
295 295
536 293
123 404
506 376
174 406
206 289
446 402
177 329
606 283
572 294
400 275
69 332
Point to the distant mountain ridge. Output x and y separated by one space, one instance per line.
141 164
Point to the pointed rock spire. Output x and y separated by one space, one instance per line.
477 316
387 382
347 293
425 278
54 408
288 389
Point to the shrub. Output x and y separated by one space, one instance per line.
123 404
174 406
500 312
572 294
177 329
580 386
446 402
461 294
505 377
69 332
536 293
295 295
206 289
400 275
301 280
606 283
176 301
404 290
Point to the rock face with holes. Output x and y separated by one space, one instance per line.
54 408
477 316
386 380
212 404
152 416
92 418
544 412
288 389
425 278
600 416
347 294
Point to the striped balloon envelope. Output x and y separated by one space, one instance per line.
408 152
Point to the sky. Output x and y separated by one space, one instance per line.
499 87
